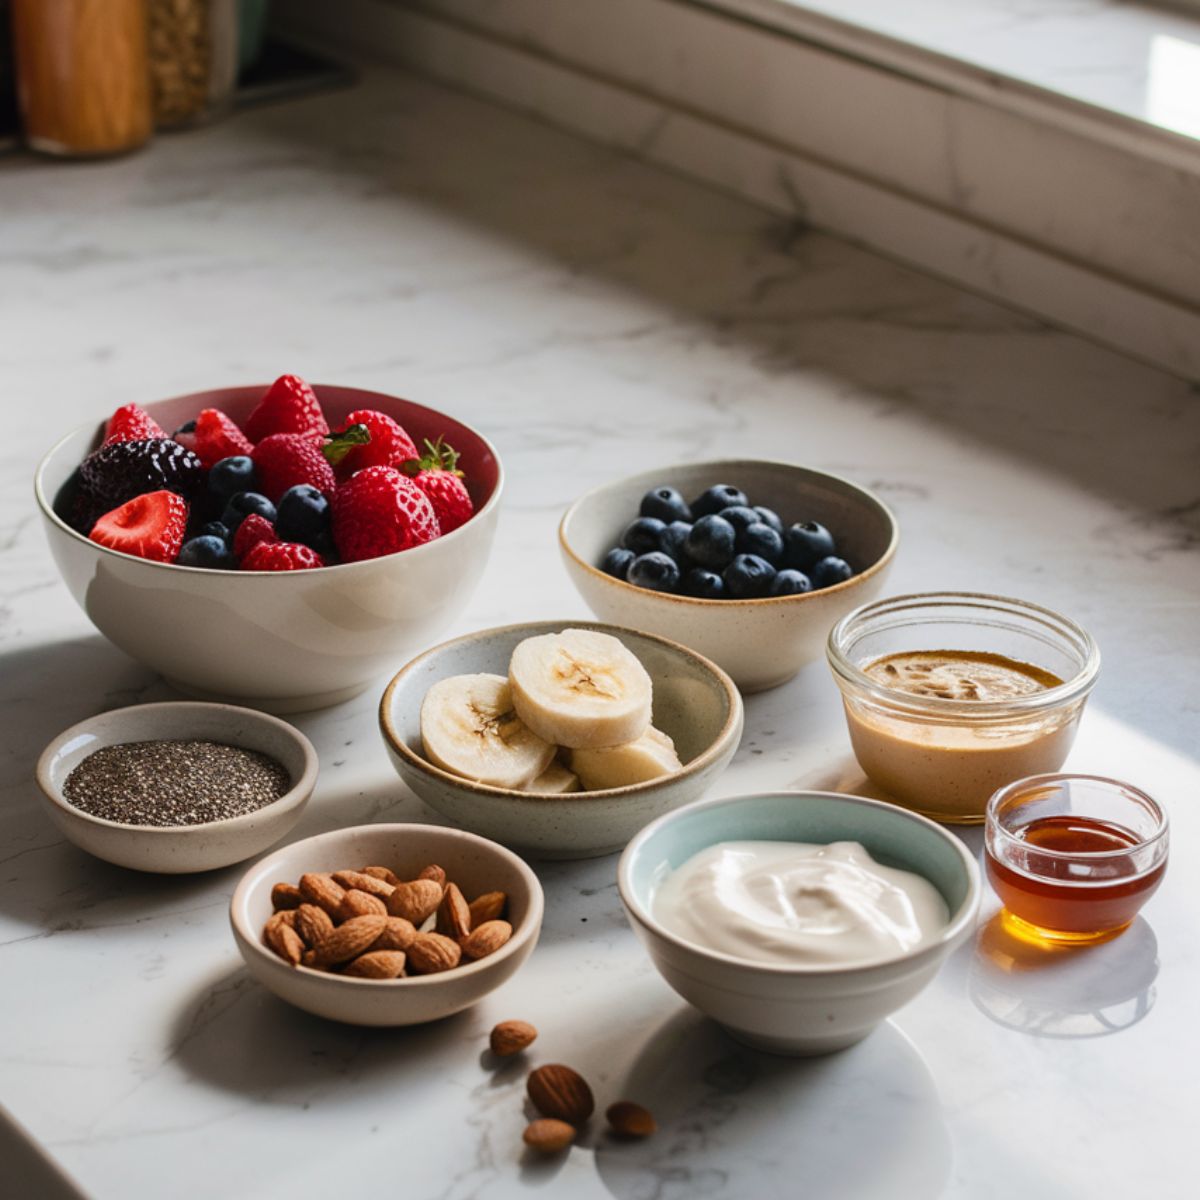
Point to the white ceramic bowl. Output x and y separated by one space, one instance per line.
474 863
761 643
802 1009
285 641
694 701
179 849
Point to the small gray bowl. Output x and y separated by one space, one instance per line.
695 702
179 849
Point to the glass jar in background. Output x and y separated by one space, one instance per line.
82 79
193 59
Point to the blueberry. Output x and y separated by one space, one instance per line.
616 562
790 583
231 475
805 543
655 571
305 516
711 542
749 576
214 529
831 570
666 504
187 427
762 540
768 516
242 504
705 585
739 516
673 538
206 551
643 535
724 495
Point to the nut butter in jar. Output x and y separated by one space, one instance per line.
952 695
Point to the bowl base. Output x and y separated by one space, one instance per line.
272 704
797 1047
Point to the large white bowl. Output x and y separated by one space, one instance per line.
803 1009
761 643
284 641
474 863
694 701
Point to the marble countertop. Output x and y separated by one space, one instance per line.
595 316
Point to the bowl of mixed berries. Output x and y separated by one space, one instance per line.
281 545
748 562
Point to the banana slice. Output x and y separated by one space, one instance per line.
580 689
468 727
555 780
649 757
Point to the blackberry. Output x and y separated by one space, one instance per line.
110 476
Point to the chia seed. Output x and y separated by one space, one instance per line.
174 782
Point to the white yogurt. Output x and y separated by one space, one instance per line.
794 903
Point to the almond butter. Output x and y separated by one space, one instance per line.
454 917
486 939
377 964
284 940
348 940
415 901
548 1136
321 890
487 907
434 872
630 1120
312 924
360 904
384 873
560 1092
430 953
286 895
362 882
511 1037
398 934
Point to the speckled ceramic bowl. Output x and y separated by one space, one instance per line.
474 863
285 641
761 643
179 849
694 701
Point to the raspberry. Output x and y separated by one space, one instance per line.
118 472
438 476
389 445
283 460
289 406
281 556
217 437
132 424
253 531
148 526
381 511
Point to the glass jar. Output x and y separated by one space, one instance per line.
193 59
943 756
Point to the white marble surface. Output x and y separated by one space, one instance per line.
595 316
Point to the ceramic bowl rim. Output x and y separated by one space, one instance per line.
530 927
846 585
709 755
956 928
47 506
296 795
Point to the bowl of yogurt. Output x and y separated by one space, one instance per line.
798 920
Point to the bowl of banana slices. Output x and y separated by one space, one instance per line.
560 739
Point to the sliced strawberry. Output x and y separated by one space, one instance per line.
283 460
380 511
281 556
132 424
253 531
148 526
388 445
438 476
289 406
217 437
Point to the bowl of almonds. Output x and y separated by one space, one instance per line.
387 924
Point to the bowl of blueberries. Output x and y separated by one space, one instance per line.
749 562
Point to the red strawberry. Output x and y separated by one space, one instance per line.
380 511
132 424
149 526
438 476
283 460
253 531
289 406
217 437
389 445
281 556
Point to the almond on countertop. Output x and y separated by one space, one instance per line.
548 1136
561 1092
630 1120
511 1037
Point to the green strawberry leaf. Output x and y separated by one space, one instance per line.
338 445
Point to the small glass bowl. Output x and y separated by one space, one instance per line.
1074 857
945 757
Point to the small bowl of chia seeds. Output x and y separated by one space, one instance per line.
178 787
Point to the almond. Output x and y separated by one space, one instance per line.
313 923
431 953
321 890
285 916
347 941
548 1136
487 907
415 901
285 895
384 873
377 964
284 940
511 1037
630 1120
454 917
398 934
486 939
434 872
560 1092
362 882
360 904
